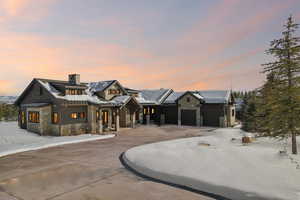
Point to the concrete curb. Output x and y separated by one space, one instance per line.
128 165
189 184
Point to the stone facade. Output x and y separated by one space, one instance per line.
189 102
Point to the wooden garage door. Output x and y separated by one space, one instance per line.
188 117
210 118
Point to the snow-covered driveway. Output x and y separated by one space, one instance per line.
15 140
224 167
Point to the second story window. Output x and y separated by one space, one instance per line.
74 92
114 91
188 99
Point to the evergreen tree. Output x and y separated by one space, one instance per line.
284 113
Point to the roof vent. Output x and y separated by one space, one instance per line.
74 79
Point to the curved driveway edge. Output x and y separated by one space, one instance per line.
140 171
194 185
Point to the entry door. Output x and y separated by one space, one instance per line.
188 117
105 118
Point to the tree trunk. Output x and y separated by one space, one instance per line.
294 144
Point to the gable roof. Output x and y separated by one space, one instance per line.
100 85
173 97
215 96
209 96
194 94
156 96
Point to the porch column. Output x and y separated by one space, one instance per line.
132 122
100 121
179 116
117 120
110 113
92 118
198 117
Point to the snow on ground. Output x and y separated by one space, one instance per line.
15 140
225 167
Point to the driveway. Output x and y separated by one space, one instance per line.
90 170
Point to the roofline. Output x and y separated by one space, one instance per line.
190 92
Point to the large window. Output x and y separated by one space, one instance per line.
79 115
55 118
232 113
34 117
74 92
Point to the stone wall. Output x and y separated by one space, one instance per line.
44 127
192 104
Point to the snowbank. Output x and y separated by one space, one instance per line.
219 165
15 140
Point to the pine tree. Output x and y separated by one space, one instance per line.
285 108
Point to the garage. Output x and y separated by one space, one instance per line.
188 117
210 119
171 115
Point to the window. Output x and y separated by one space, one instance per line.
232 113
152 111
145 111
114 91
74 92
41 91
34 117
55 118
74 115
188 99
79 115
97 115
105 117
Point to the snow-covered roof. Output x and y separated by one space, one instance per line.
88 97
173 97
215 96
121 99
99 86
153 96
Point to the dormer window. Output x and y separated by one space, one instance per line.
114 91
74 92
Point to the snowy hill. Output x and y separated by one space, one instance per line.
8 99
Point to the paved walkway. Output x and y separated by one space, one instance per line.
90 170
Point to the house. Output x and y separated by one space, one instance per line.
53 107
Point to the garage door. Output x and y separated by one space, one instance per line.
188 117
210 118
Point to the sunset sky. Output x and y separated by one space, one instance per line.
179 44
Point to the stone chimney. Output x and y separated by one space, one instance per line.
74 79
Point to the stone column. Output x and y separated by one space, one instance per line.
179 116
100 122
198 117
117 120
148 119
91 118
132 122
110 113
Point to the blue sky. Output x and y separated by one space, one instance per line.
179 44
